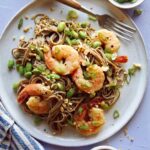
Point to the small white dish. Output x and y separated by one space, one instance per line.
104 147
126 5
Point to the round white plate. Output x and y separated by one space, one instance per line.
131 95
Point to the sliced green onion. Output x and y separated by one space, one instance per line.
84 127
70 93
116 114
80 110
37 120
20 24
137 12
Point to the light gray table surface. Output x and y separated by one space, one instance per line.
139 125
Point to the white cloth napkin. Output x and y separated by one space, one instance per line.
13 137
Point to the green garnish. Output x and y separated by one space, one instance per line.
20 24
70 122
116 114
82 35
71 92
68 41
104 106
80 110
137 12
84 24
74 34
96 44
72 14
92 18
61 86
96 123
133 70
11 64
36 71
84 127
37 120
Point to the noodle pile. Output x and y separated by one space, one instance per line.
62 106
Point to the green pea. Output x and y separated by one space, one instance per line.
15 86
11 64
70 93
74 34
67 32
68 41
82 35
96 44
60 86
84 24
28 75
61 26
75 42
53 76
41 68
28 67
36 71
21 70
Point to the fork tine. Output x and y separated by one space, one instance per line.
120 27
118 34
122 24
113 28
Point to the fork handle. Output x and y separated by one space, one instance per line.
77 5
71 3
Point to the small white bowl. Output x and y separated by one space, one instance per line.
104 147
126 5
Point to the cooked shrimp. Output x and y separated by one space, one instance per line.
109 39
95 82
89 121
54 58
37 106
33 90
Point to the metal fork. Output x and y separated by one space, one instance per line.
122 30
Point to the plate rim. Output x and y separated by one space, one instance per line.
26 6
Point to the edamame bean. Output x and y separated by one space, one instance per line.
84 24
11 64
67 32
15 86
36 71
61 26
96 44
60 86
74 34
82 35
28 75
53 76
21 70
75 42
28 67
68 41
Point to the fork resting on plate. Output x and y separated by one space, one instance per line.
122 30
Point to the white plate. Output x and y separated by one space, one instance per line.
131 95
128 5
